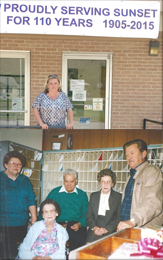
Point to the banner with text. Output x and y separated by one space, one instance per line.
131 19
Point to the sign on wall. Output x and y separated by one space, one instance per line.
98 104
133 19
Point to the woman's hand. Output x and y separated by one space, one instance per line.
100 231
44 126
103 231
69 126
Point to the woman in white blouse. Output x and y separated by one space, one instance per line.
103 213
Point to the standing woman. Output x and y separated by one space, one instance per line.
17 199
104 207
52 106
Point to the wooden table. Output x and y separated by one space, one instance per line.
103 248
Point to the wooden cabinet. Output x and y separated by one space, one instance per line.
103 248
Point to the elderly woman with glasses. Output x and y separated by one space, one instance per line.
17 200
103 213
51 107
46 239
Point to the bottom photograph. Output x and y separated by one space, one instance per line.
81 194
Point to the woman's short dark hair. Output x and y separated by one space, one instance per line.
14 154
107 172
50 201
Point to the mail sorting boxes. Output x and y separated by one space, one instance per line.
88 163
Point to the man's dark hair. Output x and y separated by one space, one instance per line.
50 201
14 154
106 172
142 145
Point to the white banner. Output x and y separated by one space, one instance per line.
131 19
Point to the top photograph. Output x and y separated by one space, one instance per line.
81 64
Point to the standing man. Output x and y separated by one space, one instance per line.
73 203
142 198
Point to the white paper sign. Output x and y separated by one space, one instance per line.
78 95
98 104
132 19
76 84
56 146
27 172
16 103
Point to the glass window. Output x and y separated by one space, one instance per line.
14 89
91 109
87 81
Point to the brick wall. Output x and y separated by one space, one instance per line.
137 77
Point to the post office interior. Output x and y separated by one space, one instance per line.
50 152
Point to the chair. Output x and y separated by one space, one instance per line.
67 249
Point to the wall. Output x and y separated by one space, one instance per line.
137 77
28 137
114 138
89 139
80 139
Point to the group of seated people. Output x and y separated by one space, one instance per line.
66 213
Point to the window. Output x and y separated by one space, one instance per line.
87 81
14 88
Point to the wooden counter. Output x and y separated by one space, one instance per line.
103 248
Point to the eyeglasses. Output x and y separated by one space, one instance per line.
50 211
51 76
16 164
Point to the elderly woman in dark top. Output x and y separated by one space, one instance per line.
104 207
52 106
46 239
17 199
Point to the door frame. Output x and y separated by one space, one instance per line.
66 55
25 55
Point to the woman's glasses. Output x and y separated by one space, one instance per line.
50 211
15 164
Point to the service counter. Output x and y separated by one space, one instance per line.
103 248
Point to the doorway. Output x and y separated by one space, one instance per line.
87 81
